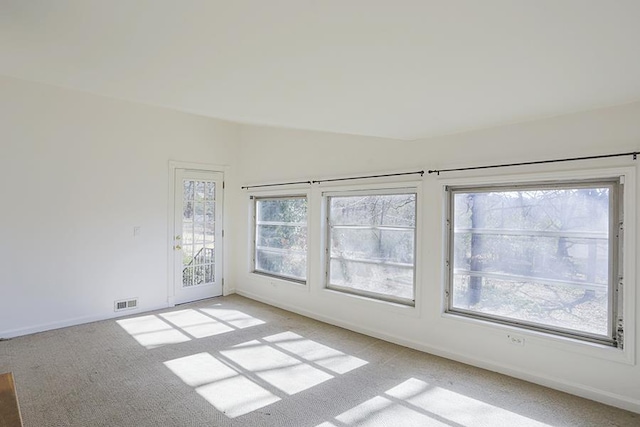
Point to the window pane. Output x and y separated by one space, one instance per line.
372 244
379 279
539 256
387 210
282 210
281 237
293 265
394 246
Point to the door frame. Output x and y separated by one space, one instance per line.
171 216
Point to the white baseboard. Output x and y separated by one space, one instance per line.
581 390
12 333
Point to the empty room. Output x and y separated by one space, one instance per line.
319 213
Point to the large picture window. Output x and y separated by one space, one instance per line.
371 241
542 256
280 239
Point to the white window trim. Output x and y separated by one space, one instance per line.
380 187
627 175
293 192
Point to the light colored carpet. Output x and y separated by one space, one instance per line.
232 361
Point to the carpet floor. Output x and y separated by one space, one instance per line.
231 361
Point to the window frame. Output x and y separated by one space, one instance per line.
254 235
616 253
370 191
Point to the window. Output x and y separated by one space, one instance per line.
371 244
280 239
540 256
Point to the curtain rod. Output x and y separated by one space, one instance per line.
275 185
369 176
539 162
318 181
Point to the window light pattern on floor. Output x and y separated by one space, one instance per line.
419 404
225 388
184 325
257 373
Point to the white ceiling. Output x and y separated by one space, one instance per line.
392 68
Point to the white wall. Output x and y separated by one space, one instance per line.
271 155
77 173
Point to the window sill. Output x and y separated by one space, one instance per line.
276 281
370 302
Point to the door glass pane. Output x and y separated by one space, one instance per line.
200 254
188 189
209 273
187 213
210 190
198 232
187 254
187 232
210 211
200 185
199 275
187 277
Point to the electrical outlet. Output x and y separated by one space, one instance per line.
516 339
137 230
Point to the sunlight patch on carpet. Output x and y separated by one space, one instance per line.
284 372
183 325
234 318
152 332
223 387
419 404
260 372
322 355
196 324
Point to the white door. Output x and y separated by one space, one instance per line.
197 237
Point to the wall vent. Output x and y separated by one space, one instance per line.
127 304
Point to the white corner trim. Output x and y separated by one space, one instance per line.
229 291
